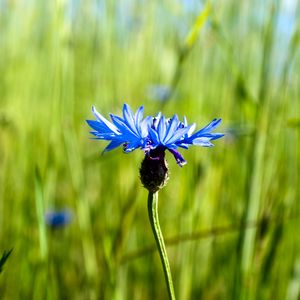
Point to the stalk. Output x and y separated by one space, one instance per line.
154 221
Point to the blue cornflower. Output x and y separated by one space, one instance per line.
159 92
154 135
58 219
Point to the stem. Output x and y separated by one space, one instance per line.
153 217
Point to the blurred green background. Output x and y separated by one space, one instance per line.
230 217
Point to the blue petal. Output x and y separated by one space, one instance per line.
154 137
210 136
123 127
101 128
191 130
178 135
145 124
103 121
128 117
183 145
156 120
133 145
112 145
161 128
185 123
178 157
210 127
138 116
202 141
216 135
105 136
171 128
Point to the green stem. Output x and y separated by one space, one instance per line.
153 217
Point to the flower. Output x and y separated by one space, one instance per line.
57 219
152 133
159 92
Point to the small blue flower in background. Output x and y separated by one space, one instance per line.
159 92
160 133
58 219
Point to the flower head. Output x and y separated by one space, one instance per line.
160 133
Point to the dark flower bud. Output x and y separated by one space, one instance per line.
154 170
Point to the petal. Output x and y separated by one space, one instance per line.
210 136
96 125
103 121
156 120
138 116
105 136
101 128
154 137
183 145
192 128
128 118
178 135
202 141
133 145
211 126
144 125
171 128
161 128
122 125
185 123
178 157
112 145
217 135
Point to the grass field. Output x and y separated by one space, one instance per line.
230 217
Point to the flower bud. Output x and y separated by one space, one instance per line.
154 170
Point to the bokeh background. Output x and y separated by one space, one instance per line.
230 217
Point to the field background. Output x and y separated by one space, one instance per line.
230 217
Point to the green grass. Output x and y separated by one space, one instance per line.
230 217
